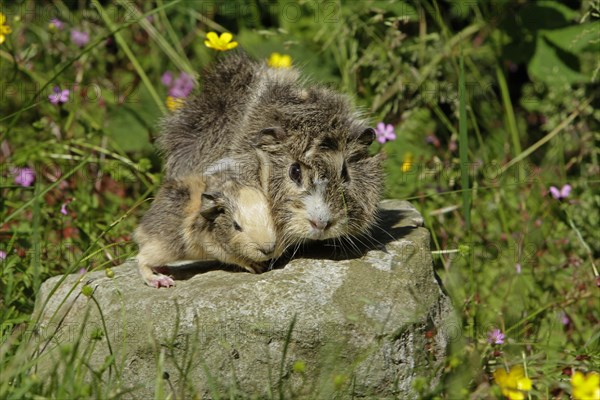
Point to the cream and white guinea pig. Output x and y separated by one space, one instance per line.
202 217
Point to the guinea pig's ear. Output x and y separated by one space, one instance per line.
270 135
211 206
365 137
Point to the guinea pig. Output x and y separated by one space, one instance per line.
322 182
201 217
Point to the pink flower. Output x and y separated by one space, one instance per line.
433 140
182 86
2 255
496 337
167 79
63 207
179 89
564 318
518 268
385 132
57 23
453 146
79 38
59 96
562 193
23 176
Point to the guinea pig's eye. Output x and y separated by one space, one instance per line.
345 177
237 226
296 173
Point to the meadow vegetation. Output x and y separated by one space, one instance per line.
505 172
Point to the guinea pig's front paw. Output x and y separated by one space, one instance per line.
160 280
258 267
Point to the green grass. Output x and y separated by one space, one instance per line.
494 102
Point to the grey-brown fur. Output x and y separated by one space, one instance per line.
266 120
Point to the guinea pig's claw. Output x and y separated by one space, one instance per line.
162 281
258 267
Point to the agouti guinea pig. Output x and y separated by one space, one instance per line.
305 141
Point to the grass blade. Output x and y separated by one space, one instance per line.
36 237
531 149
181 62
288 338
136 64
508 109
464 148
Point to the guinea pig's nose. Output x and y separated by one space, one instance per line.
267 249
319 224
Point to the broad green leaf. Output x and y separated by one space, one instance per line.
576 38
547 15
128 132
525 25
549 64
131 124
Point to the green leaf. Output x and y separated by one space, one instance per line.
554 66
547 15
127 131
130 126
576 38
525 26
396 8
464 147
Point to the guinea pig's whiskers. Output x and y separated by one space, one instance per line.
345 248
351 240
385 232
340 247
296 248
271 264
370 239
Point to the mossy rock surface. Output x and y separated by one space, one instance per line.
364 323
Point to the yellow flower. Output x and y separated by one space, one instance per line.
586 387
4 29
221 43
514 384
173 103
277 60
407 163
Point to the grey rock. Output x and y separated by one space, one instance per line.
359 320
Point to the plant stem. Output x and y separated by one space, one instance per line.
508 109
